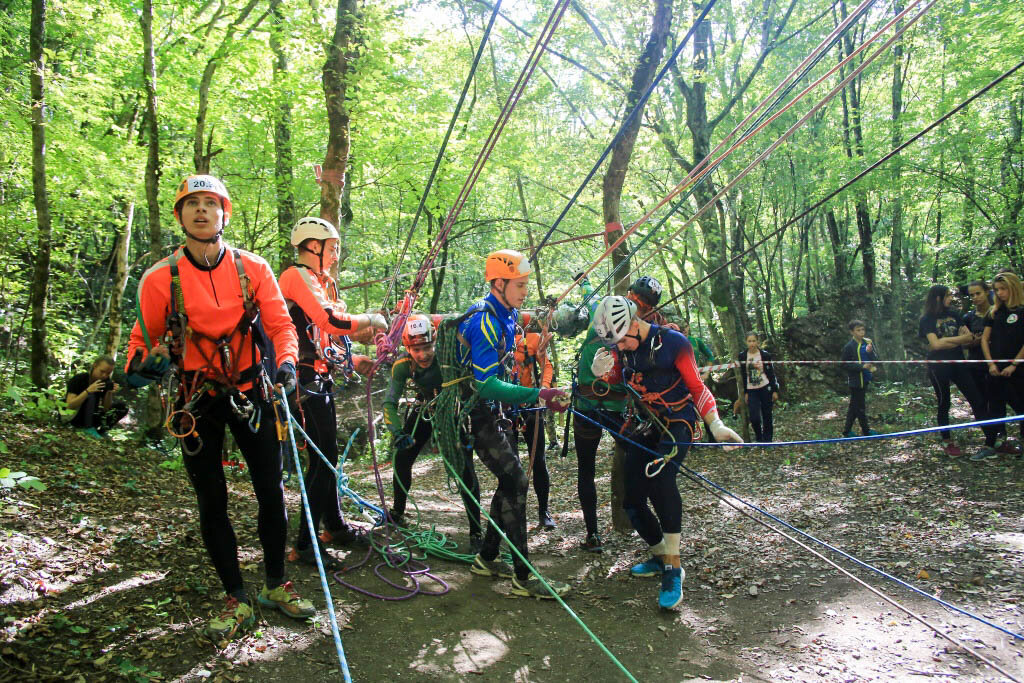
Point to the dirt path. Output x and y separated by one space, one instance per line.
103 577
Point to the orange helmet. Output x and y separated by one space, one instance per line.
506 264
202 183
418 330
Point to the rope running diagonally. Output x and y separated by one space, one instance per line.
703 171
622 129
775 233
440 152
813 110
874 590
282 403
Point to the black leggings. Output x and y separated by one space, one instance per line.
979 372
941 377
661 489
262 454
759 408
857 410
92 413
401 481
1003 390
588 436
321 425
541 478
508 506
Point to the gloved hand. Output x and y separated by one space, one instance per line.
402 441
377 321
580 277
151 369
721 433
554 400
286 377
603 362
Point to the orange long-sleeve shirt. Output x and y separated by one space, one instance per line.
316 297
214 305
527 346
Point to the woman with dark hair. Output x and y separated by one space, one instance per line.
944 332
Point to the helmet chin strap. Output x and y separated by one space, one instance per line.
204 240
501 293
319 254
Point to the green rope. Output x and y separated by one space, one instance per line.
450 408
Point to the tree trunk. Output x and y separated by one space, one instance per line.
282 140
895 349
614 178
339 54
120 280
152 133
41 273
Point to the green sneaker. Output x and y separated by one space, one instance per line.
531 587
236 617
92 433
494 568
286 599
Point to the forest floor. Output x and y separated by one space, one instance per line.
103 575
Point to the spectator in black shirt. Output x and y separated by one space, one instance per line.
944 333
1004 340
91 394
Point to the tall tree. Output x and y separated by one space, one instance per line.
283 171
124 239
152 132
896 350
611 192
340 55
41 272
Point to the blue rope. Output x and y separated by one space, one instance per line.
341 478
696 475
283 402
622 129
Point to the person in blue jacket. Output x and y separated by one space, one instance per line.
858 355
487 335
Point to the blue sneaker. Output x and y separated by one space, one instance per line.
652 567
671 588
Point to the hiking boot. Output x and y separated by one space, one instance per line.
593 544
671 588
546 521
531 587
286 599
1008 447
848 435
346 535
952 450
236 617
871 432
306 556
984 454
398 519
652 567
476 541
495 568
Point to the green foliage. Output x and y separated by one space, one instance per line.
37 405
9 479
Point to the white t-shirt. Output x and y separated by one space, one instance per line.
755 371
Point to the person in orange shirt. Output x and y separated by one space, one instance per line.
535 371
322 325
199 306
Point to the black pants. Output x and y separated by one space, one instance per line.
944 375
541 479
92 414
979 371
401 482
320 423
661 490
1003 390
588 436
508 506
262 454
759 408
857 410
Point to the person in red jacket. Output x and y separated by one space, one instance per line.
322 325
198 306
534 370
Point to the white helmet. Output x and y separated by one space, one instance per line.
312 228
613 317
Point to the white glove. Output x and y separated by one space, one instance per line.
374 320
722 433
603 362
